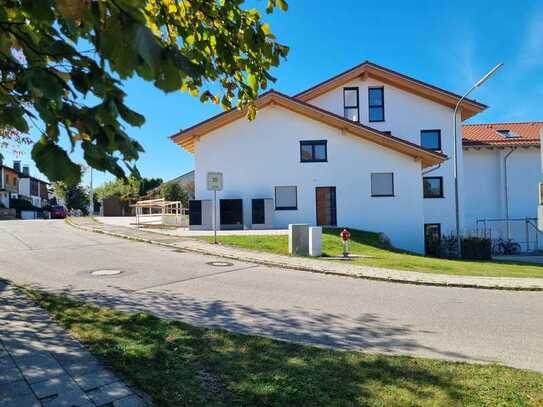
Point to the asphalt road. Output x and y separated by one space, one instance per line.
439 322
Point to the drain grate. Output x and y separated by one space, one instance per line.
220 264
106 272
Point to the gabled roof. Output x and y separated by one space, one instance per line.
469 107
512 134
186 138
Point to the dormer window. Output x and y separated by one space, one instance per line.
507 133
351 107
376 104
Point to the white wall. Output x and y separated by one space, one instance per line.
24 186
406 115
485 187
256 156
24 189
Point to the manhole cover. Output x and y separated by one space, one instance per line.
106 272
220 264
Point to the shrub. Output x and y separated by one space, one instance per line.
473 247
476 248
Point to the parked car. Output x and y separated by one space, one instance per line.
58 212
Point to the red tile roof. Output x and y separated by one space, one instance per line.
520 134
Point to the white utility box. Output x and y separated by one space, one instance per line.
298 240
315 241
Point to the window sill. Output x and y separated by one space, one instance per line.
434 197
383 196
376 121
288 208
313 161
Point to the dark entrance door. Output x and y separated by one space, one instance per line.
326 206
432 238
231 213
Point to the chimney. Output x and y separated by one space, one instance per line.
26 170
17 166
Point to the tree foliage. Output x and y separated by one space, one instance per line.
148 184
75 196
62 63
172 191
130 187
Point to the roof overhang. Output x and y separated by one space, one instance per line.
469 108
497 145
187 138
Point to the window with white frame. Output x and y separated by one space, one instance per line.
382 184
286 198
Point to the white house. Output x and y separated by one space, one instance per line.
349 151
502 167
33 188
9 185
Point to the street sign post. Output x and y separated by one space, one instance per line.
214 183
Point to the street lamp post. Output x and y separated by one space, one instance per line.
91 195
456 197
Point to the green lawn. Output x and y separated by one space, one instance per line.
367 243
181 365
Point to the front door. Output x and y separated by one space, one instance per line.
326 206
432 238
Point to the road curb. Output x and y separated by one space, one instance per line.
307 269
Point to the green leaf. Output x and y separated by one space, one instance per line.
131 117
54 162
148 48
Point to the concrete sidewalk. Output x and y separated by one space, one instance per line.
40 365
308 264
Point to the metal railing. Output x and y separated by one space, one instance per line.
170 213
523 231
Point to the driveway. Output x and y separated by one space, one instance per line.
438 322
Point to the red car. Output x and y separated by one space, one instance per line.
58 212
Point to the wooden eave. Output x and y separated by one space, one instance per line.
187 138
469 108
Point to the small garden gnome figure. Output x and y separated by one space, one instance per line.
345 236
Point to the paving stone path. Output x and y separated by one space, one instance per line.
41 365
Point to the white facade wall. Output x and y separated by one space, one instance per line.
24 190
259 155
406 115
4 195
24 187
485 188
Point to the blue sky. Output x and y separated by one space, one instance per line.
449 44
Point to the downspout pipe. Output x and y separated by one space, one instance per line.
506 192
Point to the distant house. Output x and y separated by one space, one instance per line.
9 185
186 181
502 171
33 189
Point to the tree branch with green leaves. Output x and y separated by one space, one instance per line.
62 63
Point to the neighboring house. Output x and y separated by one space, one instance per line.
34 189
186 181
9 185
351 151
502 168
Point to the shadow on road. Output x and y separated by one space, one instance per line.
368 332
